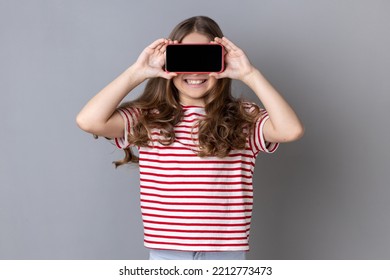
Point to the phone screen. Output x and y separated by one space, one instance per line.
194 58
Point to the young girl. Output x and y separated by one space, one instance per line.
197 144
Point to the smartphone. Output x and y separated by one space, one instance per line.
194 58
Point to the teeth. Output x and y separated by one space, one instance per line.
195 82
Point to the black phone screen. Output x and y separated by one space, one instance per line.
194 58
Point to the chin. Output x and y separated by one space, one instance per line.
194 86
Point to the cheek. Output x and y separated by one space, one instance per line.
174 80
211 83
177 81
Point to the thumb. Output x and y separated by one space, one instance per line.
167 75
218 75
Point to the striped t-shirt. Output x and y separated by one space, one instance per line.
191 203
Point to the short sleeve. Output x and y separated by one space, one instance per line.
130 118
257 141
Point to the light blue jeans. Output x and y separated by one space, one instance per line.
185 255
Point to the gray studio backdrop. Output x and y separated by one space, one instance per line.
323 197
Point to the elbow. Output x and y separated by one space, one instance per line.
296 133
83 123
286 134
90 126
292 134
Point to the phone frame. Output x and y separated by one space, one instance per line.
197 44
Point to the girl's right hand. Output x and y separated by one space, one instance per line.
151 61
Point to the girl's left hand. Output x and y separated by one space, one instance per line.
237 65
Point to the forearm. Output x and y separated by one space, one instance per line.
101 107
284 124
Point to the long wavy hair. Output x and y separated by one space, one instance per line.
227 123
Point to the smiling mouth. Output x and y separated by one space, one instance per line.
195 82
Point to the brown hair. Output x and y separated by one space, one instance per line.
227 123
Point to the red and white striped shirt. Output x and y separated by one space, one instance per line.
191 203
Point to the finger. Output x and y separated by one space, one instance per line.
156 43
164 47
225 44
229 44
218 75
161 45
167 75
215 75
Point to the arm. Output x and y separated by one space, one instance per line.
283 124
99 116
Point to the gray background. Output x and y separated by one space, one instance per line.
323 197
